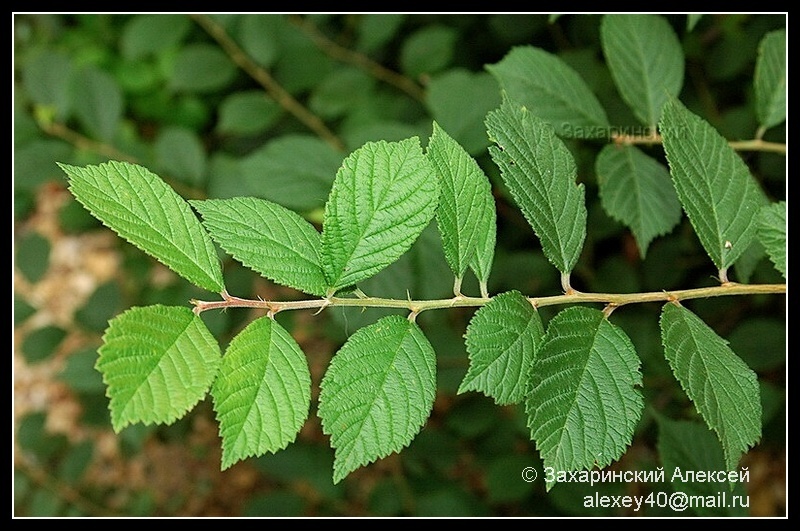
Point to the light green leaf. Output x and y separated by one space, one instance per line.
772 233
144 210
722 387
180 154
481 263
551 90
268 238
377 393
262 393
688 446
295 171
464 190
540 172
714 185
383 196
502 339
770 79
98 103
636 190
202 67
459 100
149 34
583 403
158 362
646 61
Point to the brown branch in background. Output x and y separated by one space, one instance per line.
63 132
739 145
273 88
360 60
81 142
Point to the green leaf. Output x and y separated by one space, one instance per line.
342 91
260 37
247 112
686 446
32 256
42 343
180 153
149 34
772 233
481 263
48 80
202 67
295 171
428 50
714 185
459 100
145 211
268 238
377 393
646 61
158 362
262 393
540 172
692 19
502 339
375 29
583 403
770 79
723 388
636 190
552 90
383 196
98 103
464 190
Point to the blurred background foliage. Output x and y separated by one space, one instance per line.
268 105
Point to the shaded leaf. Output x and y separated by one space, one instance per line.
722 387
551 90
714 185
98 103
583 403
540 173
295 171
772 233
459 100
202 67
770 79
646 61
636 190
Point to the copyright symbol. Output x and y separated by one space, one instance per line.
678 501
529 474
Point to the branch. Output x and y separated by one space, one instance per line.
273 88
755 144
340 53
416 306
